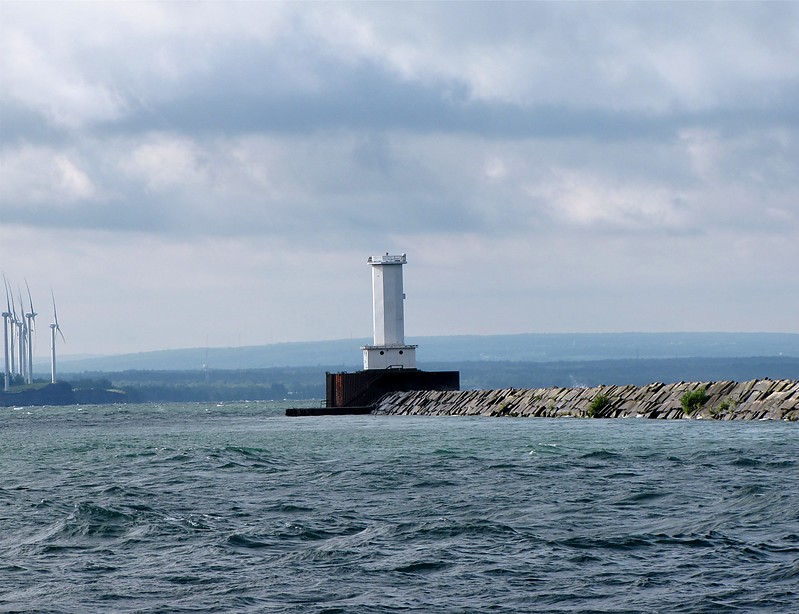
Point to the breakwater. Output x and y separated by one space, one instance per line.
763 399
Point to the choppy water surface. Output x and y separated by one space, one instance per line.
199 508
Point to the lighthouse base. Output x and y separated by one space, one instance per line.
364 388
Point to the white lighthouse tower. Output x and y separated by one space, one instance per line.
389 349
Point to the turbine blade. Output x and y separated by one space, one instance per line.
30 299
55 317
8 301
55 313
22 309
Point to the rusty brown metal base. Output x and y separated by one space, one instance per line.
364 388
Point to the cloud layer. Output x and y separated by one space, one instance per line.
572 167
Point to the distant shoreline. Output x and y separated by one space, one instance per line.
61 393
761 399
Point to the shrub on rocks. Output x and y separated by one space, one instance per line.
692 401
598 404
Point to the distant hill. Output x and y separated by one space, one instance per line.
344 354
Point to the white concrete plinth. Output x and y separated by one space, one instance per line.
385 356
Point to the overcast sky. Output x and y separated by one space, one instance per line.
189 174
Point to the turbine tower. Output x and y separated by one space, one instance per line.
13 335
6 316
6 373
53 328
23 338
30 317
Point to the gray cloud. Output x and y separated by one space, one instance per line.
571 72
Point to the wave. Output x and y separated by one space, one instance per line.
600 455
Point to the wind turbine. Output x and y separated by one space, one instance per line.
53 328
6 316
30 316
